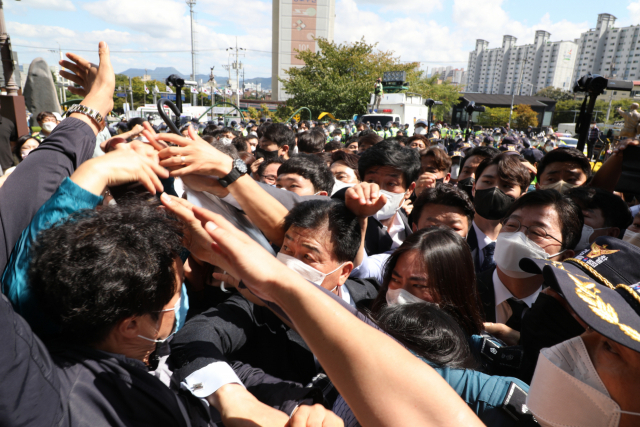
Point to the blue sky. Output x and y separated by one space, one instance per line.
435 32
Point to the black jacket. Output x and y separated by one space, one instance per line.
484 283
472 241
240 330
79 386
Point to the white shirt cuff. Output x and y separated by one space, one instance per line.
206 381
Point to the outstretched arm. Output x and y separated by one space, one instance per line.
402 391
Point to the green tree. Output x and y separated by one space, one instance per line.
428 87
339 78
555 93
524 117
494 117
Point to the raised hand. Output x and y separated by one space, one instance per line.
364 199
426 180
96 82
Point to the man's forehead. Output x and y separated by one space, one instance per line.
443 213
318 237
544 216
563 166
291 177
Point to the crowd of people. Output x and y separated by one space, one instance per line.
310 274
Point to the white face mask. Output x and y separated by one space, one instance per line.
175 309
511 248
561 186
306 271
566 389
632 238
225 141
401 296
587 231
394 201
49 126
420 131
337 138
339 185
455 170
25 153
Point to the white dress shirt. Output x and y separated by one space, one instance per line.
483 241
502 295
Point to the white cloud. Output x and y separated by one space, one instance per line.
43 32
62 5
634 12
411 7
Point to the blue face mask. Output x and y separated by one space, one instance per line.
175 324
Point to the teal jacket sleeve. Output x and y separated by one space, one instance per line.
67 199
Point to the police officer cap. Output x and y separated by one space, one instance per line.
387 125
487 140
233 123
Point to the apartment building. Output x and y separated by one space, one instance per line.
521 69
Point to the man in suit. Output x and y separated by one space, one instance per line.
321 240
395 169
542 225
500 180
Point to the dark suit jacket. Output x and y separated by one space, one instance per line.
239 330
484 283
472 240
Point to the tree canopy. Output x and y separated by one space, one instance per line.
339 79
555 93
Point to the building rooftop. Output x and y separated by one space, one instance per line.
493 100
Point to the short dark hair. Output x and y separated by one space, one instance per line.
280 135
209 130
135 121
268 162
570 215
428 331
241 144
441 158
615 211
311 142
101 266
348 158
446 257
312 168
565 155
391 154
510 170
44 115
485 152
370 138
447 195
342 224
333 145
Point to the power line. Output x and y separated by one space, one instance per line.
115 51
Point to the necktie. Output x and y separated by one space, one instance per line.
488 261
518 308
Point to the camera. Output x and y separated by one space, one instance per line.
472 107
430 102
595 84
175 80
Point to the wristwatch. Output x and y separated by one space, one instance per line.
239 169
89 112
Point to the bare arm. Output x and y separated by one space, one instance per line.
402 391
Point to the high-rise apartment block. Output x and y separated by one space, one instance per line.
523 69
608 51
452 75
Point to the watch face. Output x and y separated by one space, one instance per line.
240 165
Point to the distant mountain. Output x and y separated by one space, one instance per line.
162 73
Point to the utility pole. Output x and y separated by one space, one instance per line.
610 98
131 92
237 66
192 3
513 91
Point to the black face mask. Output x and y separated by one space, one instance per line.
268 155
466 185
492 203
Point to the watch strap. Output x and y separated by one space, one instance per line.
230 178
87 111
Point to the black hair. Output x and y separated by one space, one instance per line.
311 142
614 210
565 155
209 130
268 162
312 168
485 152
101 266
569 213
428 331
447 195
241 144
20 142
391 154
45 114
510 170
348 158
280 135
135 121
440 158
446 259
228 149
342 224
333 145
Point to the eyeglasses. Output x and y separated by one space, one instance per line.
536 233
